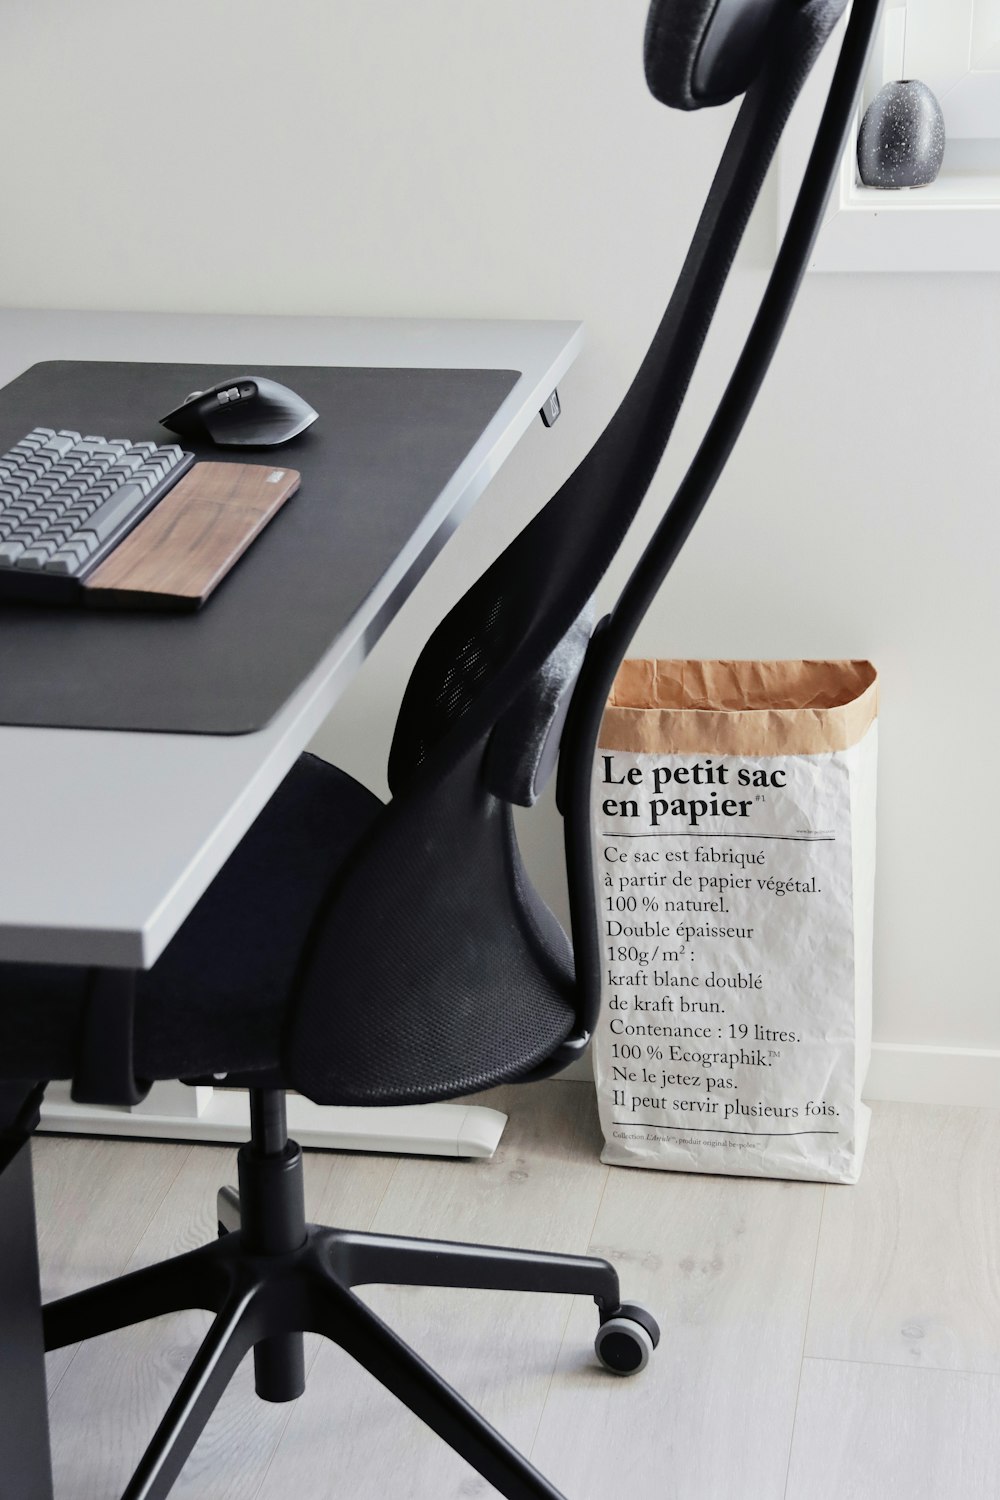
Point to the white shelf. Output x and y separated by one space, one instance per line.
950 190
953 224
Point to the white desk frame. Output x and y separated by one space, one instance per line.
78 884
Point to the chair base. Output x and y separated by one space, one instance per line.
265 1296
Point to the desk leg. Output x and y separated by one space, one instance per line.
25 1466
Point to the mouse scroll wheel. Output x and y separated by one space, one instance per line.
192 396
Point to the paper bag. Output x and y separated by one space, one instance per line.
734 816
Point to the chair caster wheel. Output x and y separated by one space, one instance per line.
626 1339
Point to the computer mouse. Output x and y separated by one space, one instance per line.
243 411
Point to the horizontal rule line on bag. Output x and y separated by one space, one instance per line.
667 833
710 1130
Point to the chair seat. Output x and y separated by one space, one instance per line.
215 999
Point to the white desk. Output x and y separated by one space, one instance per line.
72 889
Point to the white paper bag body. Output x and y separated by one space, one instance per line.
734 812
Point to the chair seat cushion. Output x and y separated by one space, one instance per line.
215 999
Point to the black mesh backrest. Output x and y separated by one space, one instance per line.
462 977
526 602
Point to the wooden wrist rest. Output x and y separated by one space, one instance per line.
188 542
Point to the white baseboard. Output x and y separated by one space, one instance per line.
907 1074
912 1074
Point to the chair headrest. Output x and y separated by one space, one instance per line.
704 52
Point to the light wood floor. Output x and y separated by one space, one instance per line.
818 1343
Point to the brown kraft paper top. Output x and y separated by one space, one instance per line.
739 707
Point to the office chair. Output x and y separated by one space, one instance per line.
391 954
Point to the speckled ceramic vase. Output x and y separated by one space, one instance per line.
901 140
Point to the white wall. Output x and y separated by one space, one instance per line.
447 158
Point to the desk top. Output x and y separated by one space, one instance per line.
108 877
386 442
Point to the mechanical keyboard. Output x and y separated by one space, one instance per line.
111 524
66 501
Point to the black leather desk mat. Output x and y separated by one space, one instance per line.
385 444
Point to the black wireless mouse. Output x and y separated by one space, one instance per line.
243 411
